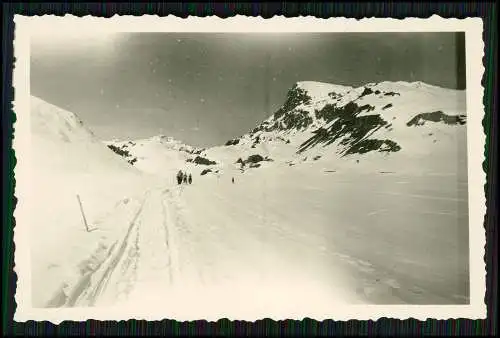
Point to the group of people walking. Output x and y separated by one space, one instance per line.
184 178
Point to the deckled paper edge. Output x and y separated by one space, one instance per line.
153 23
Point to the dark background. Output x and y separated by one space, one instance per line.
224 327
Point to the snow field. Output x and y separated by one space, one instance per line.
300 239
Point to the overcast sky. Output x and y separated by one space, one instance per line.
204 89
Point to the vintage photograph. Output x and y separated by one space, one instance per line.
238 174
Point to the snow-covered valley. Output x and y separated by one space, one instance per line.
344 195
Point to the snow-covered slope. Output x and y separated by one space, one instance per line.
69 161
64 144
159 155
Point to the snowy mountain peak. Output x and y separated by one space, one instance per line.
322 120
165 139
157 140
321 90
157 154
387 117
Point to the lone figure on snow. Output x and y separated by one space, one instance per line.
232 180
190 179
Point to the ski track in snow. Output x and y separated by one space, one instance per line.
145 261
141 256
91 286
174 243
148 262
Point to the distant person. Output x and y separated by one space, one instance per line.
185 178
190 179
179 177
232 180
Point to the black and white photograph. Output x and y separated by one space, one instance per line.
248 173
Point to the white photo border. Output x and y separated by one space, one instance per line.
473 28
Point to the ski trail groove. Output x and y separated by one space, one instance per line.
196 259
170 237
167 241
103 282
90 292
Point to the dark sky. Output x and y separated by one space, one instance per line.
204 89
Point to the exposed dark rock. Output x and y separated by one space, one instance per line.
120 151
348 128
368 145
295 97
387 106
187 150
123 152
293 119
366 107
203 161
254 158
392 94
334 95
297 119
367 91
330 111
205 171
436 116
233 142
